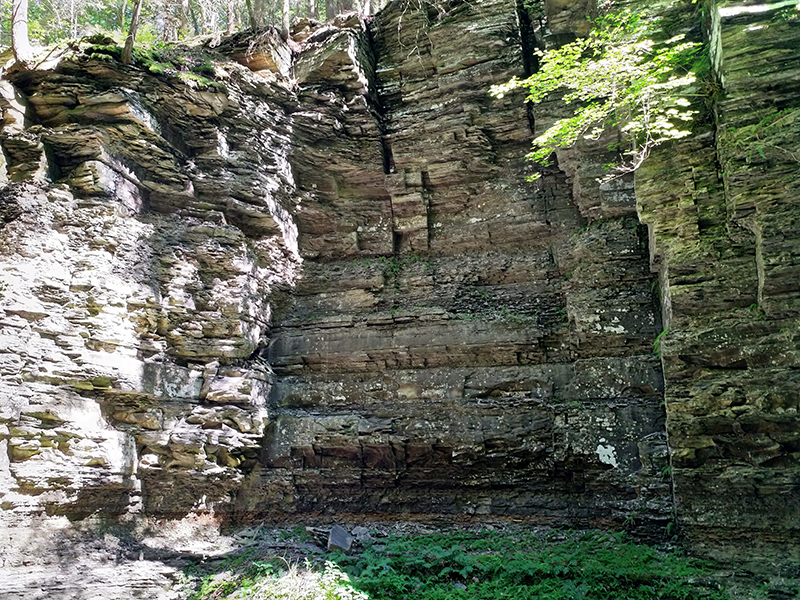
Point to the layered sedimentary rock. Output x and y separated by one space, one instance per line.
460 341
725 233
270 283
145 246
327 293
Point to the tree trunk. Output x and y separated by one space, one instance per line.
202 19
230 26
19 30
312 9
341 7
184 14
127 51
287 19
367 8
121 14
195 23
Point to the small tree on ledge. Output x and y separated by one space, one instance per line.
615 77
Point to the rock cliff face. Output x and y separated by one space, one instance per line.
316 283
723 223
458 342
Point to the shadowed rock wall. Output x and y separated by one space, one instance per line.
460 341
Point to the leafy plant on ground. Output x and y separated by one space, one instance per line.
471 566
266 581
489 566
617 76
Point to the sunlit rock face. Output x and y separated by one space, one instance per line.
145 245
320 285
140 268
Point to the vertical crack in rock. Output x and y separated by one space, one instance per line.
530 23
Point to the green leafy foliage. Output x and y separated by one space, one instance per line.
657 342
617 76
525 566
268 581
54 21
487 565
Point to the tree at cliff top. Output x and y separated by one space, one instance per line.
616 77
164 21
128 49
19 30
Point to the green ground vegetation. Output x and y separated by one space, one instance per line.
472 566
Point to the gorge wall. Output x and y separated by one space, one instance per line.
724 249
300 283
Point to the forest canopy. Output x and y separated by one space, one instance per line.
164 21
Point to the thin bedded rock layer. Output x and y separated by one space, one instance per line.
145 246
